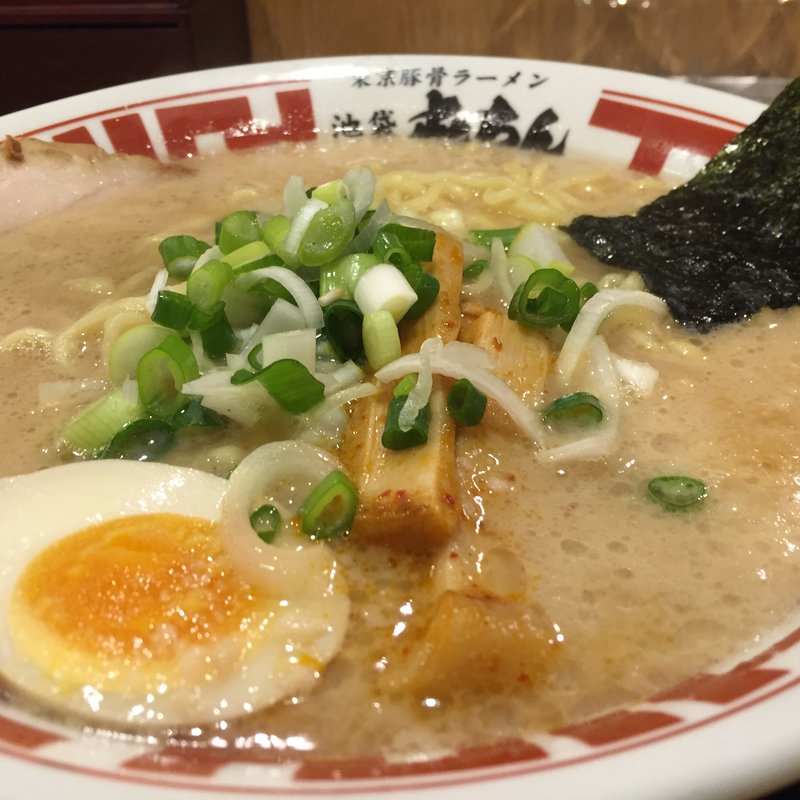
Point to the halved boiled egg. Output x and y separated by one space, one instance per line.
121 598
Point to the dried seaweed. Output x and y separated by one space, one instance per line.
726 243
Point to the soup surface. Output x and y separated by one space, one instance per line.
630 598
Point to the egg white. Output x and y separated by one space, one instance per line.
282 653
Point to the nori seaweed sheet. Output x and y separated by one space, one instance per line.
726 243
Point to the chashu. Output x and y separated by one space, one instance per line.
38 178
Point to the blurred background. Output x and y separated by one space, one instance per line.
54 49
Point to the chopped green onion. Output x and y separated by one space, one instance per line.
330 508
548 298
141 440
327 235
180 254
183 355
270 289
675 492
161 374
218 335
94 427
250 256
483 238
237 230
404 386
294 388
474 270
345 272
173 310
396 439
343 327
205 285
274 233
417 242
254 357
266 522
195 415
389 249
427 289
131 345
244 308
465 403
588 290
329 193
381 339
576 410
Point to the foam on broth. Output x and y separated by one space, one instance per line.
639 598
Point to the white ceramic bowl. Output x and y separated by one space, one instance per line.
730 734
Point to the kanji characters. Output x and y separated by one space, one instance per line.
347 126
440 109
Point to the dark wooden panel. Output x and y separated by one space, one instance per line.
64 47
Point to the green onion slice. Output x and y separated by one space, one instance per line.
254 357
93 427
345 272
395 439
270 289
294 388
215 330
266 522
418 243
327 235
483 238
388 248
576 410
180 254
405 385
274 234
173 310
381 339
141 440
330 508
427 289
588 290
343 326
205 285
548 298
474 270
675 492
465 403
237 230
195 415
161 374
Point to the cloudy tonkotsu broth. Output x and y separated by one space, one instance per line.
633 598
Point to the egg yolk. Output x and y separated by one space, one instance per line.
137 587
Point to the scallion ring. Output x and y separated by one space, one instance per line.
474 270
575 410
141 440
676 492
465 403
483 238
547 299
180 253
344 324
266 522
330 508
393 437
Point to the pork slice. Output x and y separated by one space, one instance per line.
38 178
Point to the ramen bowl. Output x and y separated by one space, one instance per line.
728 732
